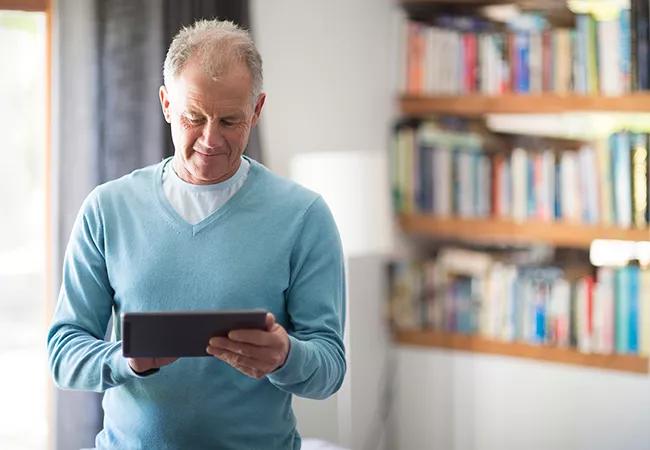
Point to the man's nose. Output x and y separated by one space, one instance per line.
212 135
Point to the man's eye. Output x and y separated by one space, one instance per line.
194 120
227 123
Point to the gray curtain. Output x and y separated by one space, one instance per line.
107 122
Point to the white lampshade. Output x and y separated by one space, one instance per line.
356 187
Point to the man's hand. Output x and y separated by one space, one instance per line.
253 352
143 365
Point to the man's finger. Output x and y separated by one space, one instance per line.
237 359
252 351
253 337
270 321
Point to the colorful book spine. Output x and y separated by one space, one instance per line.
633 309
640 180
622 309
609 57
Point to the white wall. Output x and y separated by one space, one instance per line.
328 72
463 401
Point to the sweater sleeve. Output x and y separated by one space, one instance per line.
78 356
315 366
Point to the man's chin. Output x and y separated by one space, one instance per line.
205 175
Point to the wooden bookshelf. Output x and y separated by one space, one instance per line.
537 5
478 105
555 11
476 344
507 231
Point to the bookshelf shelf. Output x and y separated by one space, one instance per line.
500 231
555 10
476 344
477 105
526 4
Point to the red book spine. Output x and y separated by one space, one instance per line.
471 61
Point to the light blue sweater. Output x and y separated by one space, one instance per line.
273 245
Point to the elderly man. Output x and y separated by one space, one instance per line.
206 229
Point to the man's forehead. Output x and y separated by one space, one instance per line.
194 83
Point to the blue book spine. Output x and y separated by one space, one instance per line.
557 201
540 321
612 145
476 185
523 62
580 51
623 184
531 202
425 185
625 50
642 37
455 188
633 309
621 310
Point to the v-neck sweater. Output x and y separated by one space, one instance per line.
273 245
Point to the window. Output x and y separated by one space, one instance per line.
23 419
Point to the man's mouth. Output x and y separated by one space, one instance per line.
213 153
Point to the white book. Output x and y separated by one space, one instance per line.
442 181
508 319
570 202
548 185
485 186
604 313
457 84
611 82
582 317
562 60
535 62
528 312
589 180
604 181
430 63
465 193
506 189
491 309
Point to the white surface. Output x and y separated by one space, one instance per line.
319 444
329 73
461 401
355 186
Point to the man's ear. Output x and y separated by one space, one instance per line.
258 108
164 103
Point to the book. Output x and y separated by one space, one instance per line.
640 180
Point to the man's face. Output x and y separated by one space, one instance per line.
210 121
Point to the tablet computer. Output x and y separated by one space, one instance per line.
176 334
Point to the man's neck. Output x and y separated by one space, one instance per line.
186 176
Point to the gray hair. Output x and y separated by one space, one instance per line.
218 44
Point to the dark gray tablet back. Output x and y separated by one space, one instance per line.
176 334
